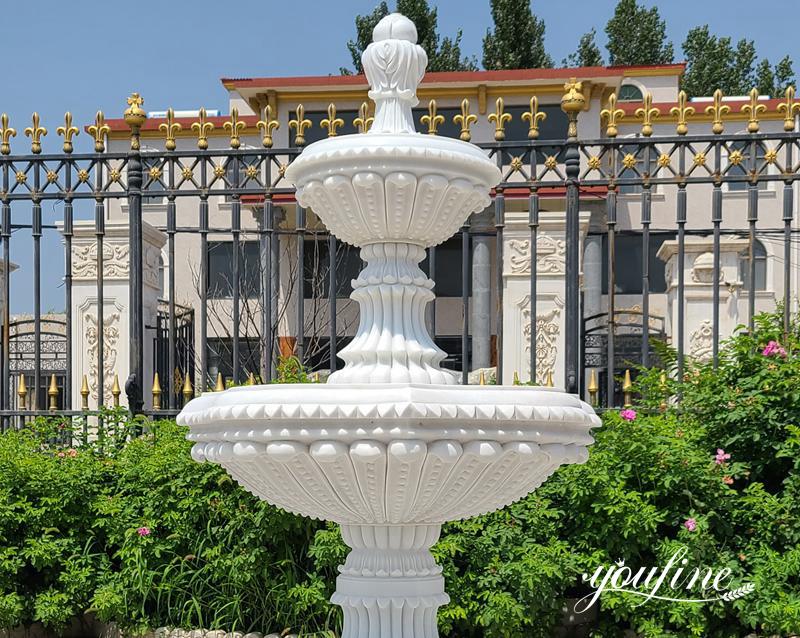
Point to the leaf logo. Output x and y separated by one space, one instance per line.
739 592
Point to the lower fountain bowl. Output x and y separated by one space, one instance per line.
389 454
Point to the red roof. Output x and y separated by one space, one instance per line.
586 72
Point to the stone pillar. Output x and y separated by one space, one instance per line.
116 300
699 284
481 302
551 290
592 275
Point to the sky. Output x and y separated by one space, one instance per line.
86 55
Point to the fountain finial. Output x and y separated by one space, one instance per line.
394 64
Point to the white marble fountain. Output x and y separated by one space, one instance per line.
391 447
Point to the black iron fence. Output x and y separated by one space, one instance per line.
244 320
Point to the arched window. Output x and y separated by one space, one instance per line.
760 258
630 93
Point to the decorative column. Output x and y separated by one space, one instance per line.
549 325
481 306
698 296
115 339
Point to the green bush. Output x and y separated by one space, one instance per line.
144 536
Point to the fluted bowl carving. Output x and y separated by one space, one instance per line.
389 454
409 187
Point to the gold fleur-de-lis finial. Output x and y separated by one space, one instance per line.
465 119
363 121
135 117
170 128
6 133
203 128
99 131
36 133
300 123
331 123
682 112
266 126
789 108
67 132
610 115
432 119
648 113
717 111
234 126
533 117
753 109
500 118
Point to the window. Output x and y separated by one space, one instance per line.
739 163
315 132
316 268
760 259
220 269
628 266
630 93
447 276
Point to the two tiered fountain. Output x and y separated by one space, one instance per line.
391 447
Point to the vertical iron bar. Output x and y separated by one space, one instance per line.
788 214
7 393
533 225
681 220
36 233
332 302
646 219
752 218
68 232
432 277
236 227
499 225
275 278
171 328
716 219
266 286
611 223
202 378
100 231
134 387
465 267
263 290
572 283
300 228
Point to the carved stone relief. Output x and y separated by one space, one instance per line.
548 327
550 255
115 261
110 339
701 340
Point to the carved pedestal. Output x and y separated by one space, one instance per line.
114 337
519 325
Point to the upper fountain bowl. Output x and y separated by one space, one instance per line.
386 187
393 184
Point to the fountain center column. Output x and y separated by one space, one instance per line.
392 344
390 585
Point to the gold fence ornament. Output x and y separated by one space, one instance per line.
99 131
790 108
331 123
432 119
753 109
717 111
465 119
116 391
68 131
500 119
300 123
610 115
36 133
364 120
85 393
533 117
52 393
6 133
202 127
683 113
156 392
267 125
234 126
648 113
170 128
135 117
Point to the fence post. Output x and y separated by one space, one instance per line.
135 117
572 102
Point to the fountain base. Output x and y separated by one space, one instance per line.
390 584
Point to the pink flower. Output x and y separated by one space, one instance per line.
61 455
628 414
690 524
773 348
72 453
721 456
143 531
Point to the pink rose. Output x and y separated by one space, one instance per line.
690 524
628 414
